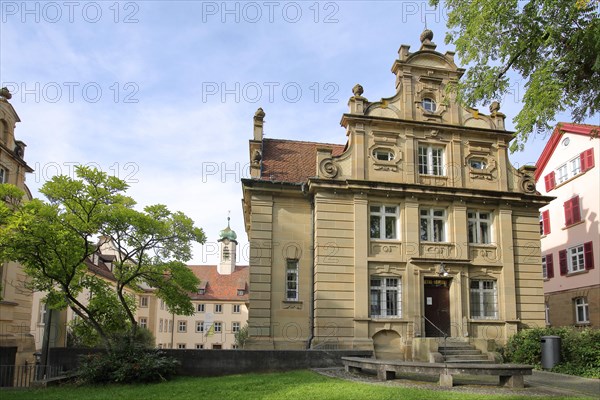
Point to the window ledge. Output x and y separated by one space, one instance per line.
486 321
433 176
575 224
387 319
484 245
584 271
587 323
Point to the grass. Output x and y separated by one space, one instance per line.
284 385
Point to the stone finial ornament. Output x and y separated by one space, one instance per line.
5 94
260 113
494 107
357 90
426 36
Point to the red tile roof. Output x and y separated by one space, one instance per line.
562 127
290 160
221 287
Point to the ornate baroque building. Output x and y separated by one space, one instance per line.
16 343
417 227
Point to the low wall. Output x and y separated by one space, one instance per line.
227 362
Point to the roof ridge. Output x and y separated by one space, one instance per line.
303 141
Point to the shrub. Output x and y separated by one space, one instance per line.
130 361
580 353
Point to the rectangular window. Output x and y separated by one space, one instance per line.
3 175
235 327
562 174
292 280
587 160
181 346
237 308
545 222
484 301
385 297
582 315
572 211
144 301
383 220
143 322
576 259
169 323
575 166
234 347
199 326
218 326
160 325
182 326
218 308
217 346
162 304
241 292
431 160
479 226
544 268
200 307
433 223
550 181
199 346
547 312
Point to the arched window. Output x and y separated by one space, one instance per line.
428 104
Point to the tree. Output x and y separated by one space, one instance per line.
54 240
553 44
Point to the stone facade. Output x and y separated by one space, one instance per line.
417 227
16 343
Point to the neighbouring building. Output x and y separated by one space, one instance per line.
416 227
569 227
16 343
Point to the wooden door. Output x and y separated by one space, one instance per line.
437 307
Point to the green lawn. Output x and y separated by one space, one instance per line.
296 385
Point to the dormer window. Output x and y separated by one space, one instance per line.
240 292
428 105
201 290
477 164
383 155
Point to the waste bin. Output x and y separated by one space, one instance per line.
550 351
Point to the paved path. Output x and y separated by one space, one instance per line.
569 384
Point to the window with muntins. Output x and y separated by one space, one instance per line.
291 280
385 297
143 322
236 308
431 160
383 222
3 175
235 327
218 326
182 326
428 104
582 315
479 226
433 223
576 259
200 307
218 308
199 326
484 301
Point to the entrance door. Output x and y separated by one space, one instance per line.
437 307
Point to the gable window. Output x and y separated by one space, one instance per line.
385 297
291 280
582 315
199 326
545 222
479 226
548 266
576 259
200 307
484 301
383 222
477 163
431 160
572 211
561 174
433 223
572 168
236 308
383 155
218 308
428 105
182 326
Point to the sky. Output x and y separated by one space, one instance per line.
162 93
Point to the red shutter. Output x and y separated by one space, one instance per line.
568 212
546 221
562 262
576 210
588 254
550 181
587 160
549 266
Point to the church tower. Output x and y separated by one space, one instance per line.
227 239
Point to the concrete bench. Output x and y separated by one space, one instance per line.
511 375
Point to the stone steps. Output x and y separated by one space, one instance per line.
460 352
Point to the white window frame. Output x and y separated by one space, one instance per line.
3 175
199 326
582 305
478 164
291 280
143 322
547 313
544 268
160 325
235 327
384 214
199 346
576 258
575 166
429 105
181 346
200 307
475 229
181 326
568 170
562 173
42 313
479 295
383 155
430 220
218 308
430 163
218 327
143 301
378 302
236 308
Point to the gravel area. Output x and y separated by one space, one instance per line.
463 384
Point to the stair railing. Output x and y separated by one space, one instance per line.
445 336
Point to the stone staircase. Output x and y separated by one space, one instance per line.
462 352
